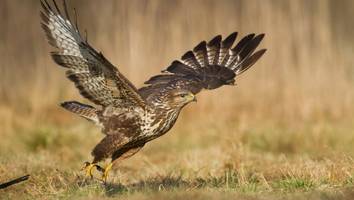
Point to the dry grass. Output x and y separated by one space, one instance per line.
285 132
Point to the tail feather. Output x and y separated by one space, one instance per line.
86 111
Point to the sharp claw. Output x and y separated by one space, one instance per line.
88 168
86 164
99 168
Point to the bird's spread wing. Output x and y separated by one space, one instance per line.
95 77
209 65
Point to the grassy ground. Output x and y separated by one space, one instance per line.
285 132
195 160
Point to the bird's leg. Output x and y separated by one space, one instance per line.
99 168
106 171
88 167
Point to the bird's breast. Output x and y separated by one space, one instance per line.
157 124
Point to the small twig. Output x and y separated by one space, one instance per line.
15 181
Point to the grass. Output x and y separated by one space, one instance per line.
285 132
176 165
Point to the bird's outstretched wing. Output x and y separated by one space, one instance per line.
209 65
95 77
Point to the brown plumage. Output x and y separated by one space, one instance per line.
131 117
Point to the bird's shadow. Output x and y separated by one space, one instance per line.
150 184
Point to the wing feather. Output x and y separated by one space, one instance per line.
225 46
200 53
213 48
190 60
246 51
209 66
95 77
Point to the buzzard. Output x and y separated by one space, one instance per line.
131 117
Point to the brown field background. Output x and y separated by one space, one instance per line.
296 103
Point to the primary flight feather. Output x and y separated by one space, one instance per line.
131 117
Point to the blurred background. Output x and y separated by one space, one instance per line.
290 117
298 98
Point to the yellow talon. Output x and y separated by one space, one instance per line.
106 171
88 168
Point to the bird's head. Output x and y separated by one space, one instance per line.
178 98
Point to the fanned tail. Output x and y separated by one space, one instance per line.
86 111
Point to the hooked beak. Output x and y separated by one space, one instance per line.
194 98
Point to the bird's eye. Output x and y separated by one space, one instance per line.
183 95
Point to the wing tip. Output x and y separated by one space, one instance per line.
232 36
259 37
188 54
200 47
215 41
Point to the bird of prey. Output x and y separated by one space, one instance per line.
131 117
